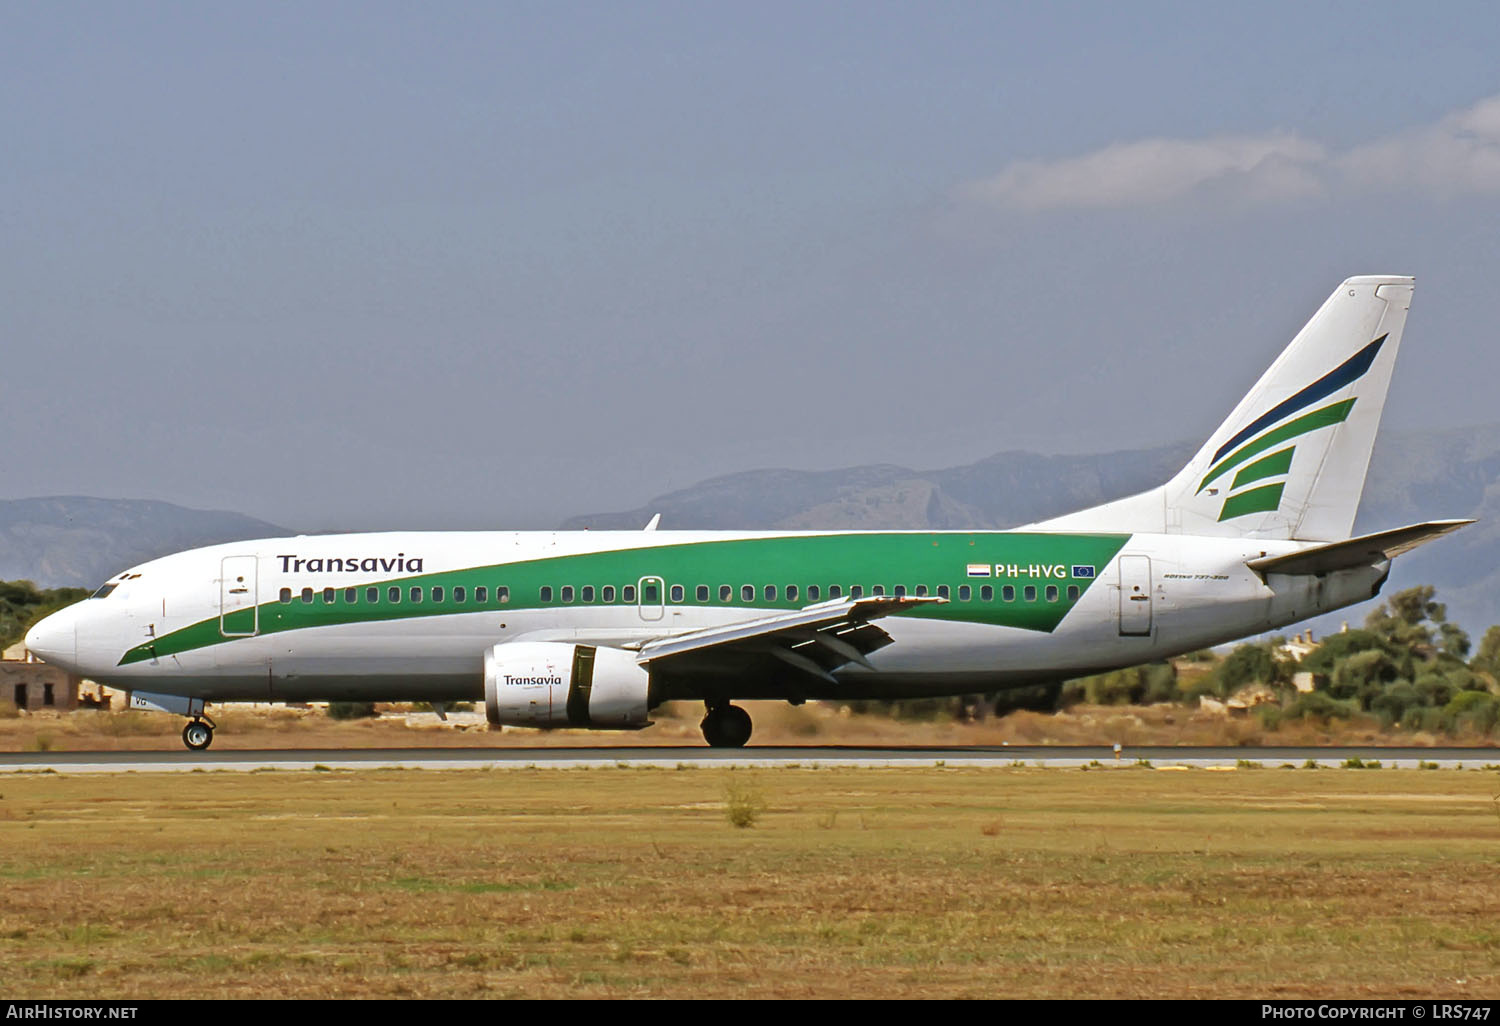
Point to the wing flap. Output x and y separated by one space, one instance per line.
1365 550
815 639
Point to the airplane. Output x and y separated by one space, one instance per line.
598 628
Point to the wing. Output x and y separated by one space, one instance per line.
815 640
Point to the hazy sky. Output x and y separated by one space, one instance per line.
447 265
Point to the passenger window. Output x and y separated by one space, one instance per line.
921 590
747 593
965 593
588 593
1051 593
460 594
677 593
607 593
351 596
437 594
1030 593
650 593
393 593
791 593
835 591
372 595
812 593
567 593
627 593
986 593
702 593
328 594
502 593
1008 593
942 591
726 593
900 591
878 589
1072 593
286 594
770 592
306 594
856 591
546 593
482 595
416 594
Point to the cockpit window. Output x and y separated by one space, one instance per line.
104 591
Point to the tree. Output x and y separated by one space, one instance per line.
1412 619
1487 660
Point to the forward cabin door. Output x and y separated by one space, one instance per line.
1135 595
239 606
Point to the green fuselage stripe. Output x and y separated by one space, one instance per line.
1051 564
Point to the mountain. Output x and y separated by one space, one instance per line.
1413 477
75 541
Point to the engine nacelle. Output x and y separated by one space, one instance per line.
553 684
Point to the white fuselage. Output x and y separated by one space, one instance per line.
232 622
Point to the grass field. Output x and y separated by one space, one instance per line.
849 883
677 723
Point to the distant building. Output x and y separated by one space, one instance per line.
32 685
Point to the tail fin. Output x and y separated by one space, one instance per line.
1290 461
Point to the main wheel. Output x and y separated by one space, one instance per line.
727 726
197 735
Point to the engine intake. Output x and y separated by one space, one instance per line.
552 684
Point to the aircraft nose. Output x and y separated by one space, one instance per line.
54 639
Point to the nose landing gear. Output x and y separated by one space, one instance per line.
726 726
198 734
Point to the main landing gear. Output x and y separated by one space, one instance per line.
198 734
726 726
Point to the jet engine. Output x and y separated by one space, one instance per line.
552 684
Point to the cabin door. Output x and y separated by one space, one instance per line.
239 607
1135 595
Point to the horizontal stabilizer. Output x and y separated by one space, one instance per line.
1366 550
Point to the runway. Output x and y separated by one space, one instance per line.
806 757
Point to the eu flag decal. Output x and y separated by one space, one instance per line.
1083 571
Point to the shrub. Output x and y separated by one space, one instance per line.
350 710
1268 715
1434 688
1318 706
1359 672
1336 647
1160 682
743 803
1396 699
1473 709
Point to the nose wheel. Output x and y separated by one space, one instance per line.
198 734
726 726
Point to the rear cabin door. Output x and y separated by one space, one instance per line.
239 607
1135 595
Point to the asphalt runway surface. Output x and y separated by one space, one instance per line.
672 757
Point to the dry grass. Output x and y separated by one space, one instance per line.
242 727
869 883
